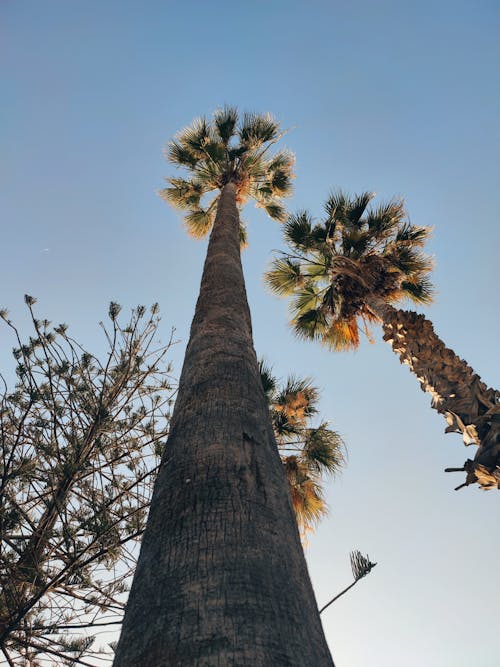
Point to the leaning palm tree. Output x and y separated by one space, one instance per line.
309 452
346 272
221 578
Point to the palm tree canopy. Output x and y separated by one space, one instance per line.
337 269
223 150
308 453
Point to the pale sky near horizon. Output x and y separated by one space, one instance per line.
401 98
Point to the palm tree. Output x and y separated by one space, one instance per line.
308 453
346 272
221 578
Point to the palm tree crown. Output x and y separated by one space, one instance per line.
340 269
308 453
223 150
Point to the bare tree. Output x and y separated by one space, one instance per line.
80 443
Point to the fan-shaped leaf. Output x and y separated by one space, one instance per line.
284 276
199 222
225 120
257 129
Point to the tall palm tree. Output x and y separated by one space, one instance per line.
221 578
346 272
308 452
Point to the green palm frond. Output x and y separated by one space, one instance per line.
275 211
283 160
210 172
181 155
183 194
336 206
262 193
217 152
258 129
306 298
311 324
357 207
355 242
409 261
412 235
280 183
323 449
298 231
419 291
225 120
319 271
195 136
284 276
199 222
382 220
268 380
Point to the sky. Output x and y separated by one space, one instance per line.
396 97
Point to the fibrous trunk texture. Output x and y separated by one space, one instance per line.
469 406
221 578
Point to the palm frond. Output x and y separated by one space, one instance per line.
306 298
408 260
297 400
216 151
341 334
311 324
360 565
317 271
323 449
297 231
306 493
209 173
181 155
355 242
357 207
411 234
280 183
183 194
282 160
195 136
419 291
275 211
258 129
381 220
225 120
336 206
267 378
284 276
199 222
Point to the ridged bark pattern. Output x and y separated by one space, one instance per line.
469 406
221 578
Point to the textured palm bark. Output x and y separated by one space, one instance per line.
221 578
469 406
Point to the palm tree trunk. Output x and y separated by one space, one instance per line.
469 406
221 578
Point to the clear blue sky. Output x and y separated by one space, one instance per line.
396 97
